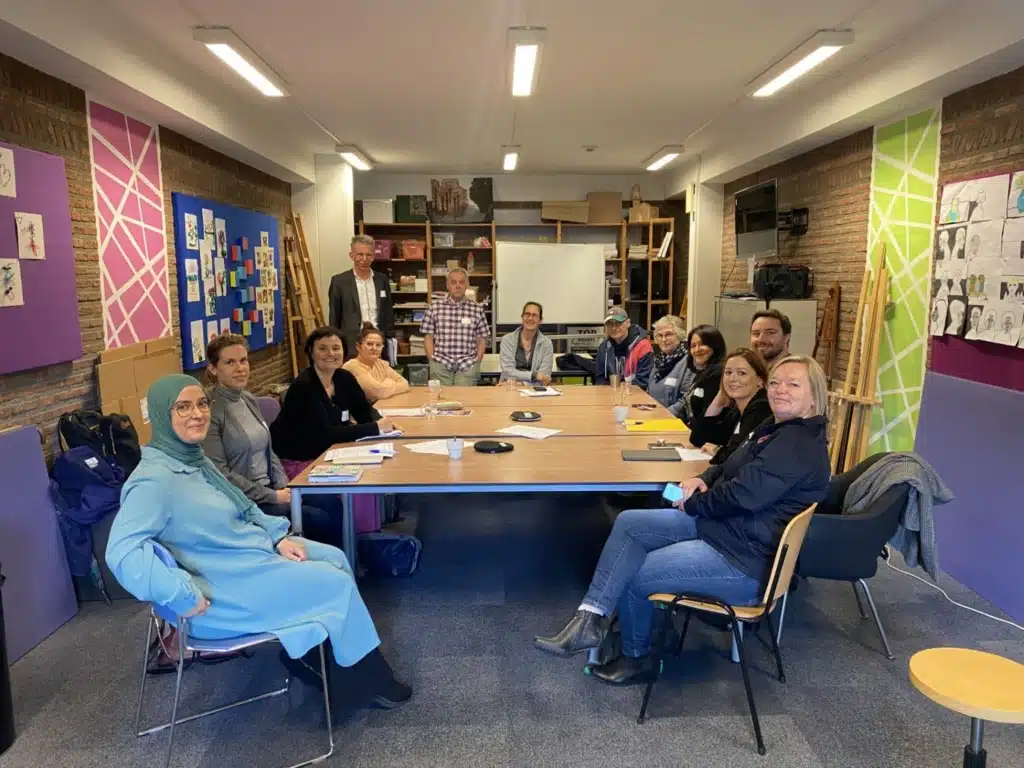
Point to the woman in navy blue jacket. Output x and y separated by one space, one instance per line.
719 540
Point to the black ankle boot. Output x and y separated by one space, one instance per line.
584 631
625 670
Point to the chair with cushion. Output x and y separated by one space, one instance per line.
847 547
190 645
269 408
778 584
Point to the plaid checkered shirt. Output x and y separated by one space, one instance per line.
455 326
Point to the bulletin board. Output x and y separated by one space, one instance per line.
977 319
229 275
38 293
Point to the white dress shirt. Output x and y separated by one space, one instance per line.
367 299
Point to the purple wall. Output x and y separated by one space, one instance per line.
978 361
973 434
45 330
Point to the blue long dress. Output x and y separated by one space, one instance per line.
229 556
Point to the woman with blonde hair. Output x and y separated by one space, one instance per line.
671 376
378 380
720 539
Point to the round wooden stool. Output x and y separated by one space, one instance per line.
981 685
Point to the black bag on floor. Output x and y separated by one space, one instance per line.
121 441
389 554
79 428
113 436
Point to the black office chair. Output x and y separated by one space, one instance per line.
847 547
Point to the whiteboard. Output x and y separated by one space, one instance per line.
566 278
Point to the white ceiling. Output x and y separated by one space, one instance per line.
422 86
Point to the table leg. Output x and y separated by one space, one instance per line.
348 529
974 755
297 511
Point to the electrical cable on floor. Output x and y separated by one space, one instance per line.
939 589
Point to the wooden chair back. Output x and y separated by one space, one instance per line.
786 556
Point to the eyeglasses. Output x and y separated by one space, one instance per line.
186 408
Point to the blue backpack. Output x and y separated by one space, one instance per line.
86 488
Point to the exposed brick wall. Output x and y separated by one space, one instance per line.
834 183
43 113
193 169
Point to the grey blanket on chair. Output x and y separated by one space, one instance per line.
915 537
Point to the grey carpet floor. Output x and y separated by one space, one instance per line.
495 571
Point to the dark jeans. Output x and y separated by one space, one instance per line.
657 550
321 517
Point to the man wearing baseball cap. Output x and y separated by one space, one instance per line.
626 351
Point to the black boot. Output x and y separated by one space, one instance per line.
389 692
584 631
625 670
370 682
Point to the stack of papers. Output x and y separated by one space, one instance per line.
435 447
361 454
401 412
392 433
692 454
637 252
534 433
611 250
332 473
546 392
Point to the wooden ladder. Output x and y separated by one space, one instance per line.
828 331
304 308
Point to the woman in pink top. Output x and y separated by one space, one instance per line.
378 379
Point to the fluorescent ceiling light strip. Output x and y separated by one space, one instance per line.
661 162
524 65
802 67
355 161
511 161
237 62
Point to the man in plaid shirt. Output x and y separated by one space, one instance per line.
455 334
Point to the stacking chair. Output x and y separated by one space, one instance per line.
778 584
188 645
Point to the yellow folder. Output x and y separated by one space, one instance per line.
656 425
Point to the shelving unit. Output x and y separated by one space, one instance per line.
645 291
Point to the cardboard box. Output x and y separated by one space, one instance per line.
378 212
642 213
605 207
149 369
569 210
116 380
132 408
123 353
161 345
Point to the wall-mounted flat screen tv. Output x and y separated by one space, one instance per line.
757 221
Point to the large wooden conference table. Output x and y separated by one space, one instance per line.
585 457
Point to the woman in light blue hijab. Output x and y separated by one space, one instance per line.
239 571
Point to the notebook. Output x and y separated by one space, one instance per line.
334 473
656 425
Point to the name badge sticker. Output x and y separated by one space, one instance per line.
467 321
671 381
344 415
383 293
698 392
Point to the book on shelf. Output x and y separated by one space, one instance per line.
334 473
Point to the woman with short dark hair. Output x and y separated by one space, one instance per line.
707 351
378 379
324 404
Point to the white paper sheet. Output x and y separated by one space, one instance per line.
198 347
534 433
692 454
548 392
392 433
8 179
436 447
191 232
31 244
11 293
1015 203
343 455
974 200
402 412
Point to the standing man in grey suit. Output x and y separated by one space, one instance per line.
361 295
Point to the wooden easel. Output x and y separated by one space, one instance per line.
856 400
828 332
305 313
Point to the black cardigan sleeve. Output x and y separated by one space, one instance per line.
305 428
707 383
348 394
713 429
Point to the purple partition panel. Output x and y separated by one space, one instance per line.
973 434
38 595
979 361
45 330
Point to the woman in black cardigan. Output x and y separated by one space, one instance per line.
739 408
707 351
324 405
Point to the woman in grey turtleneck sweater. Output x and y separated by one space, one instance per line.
238 443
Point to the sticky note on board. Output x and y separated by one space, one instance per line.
236 315
236 253
233 279
248 266
241 273
252 294
247 328
243 295
245 243
254 315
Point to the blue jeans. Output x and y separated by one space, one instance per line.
657 550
